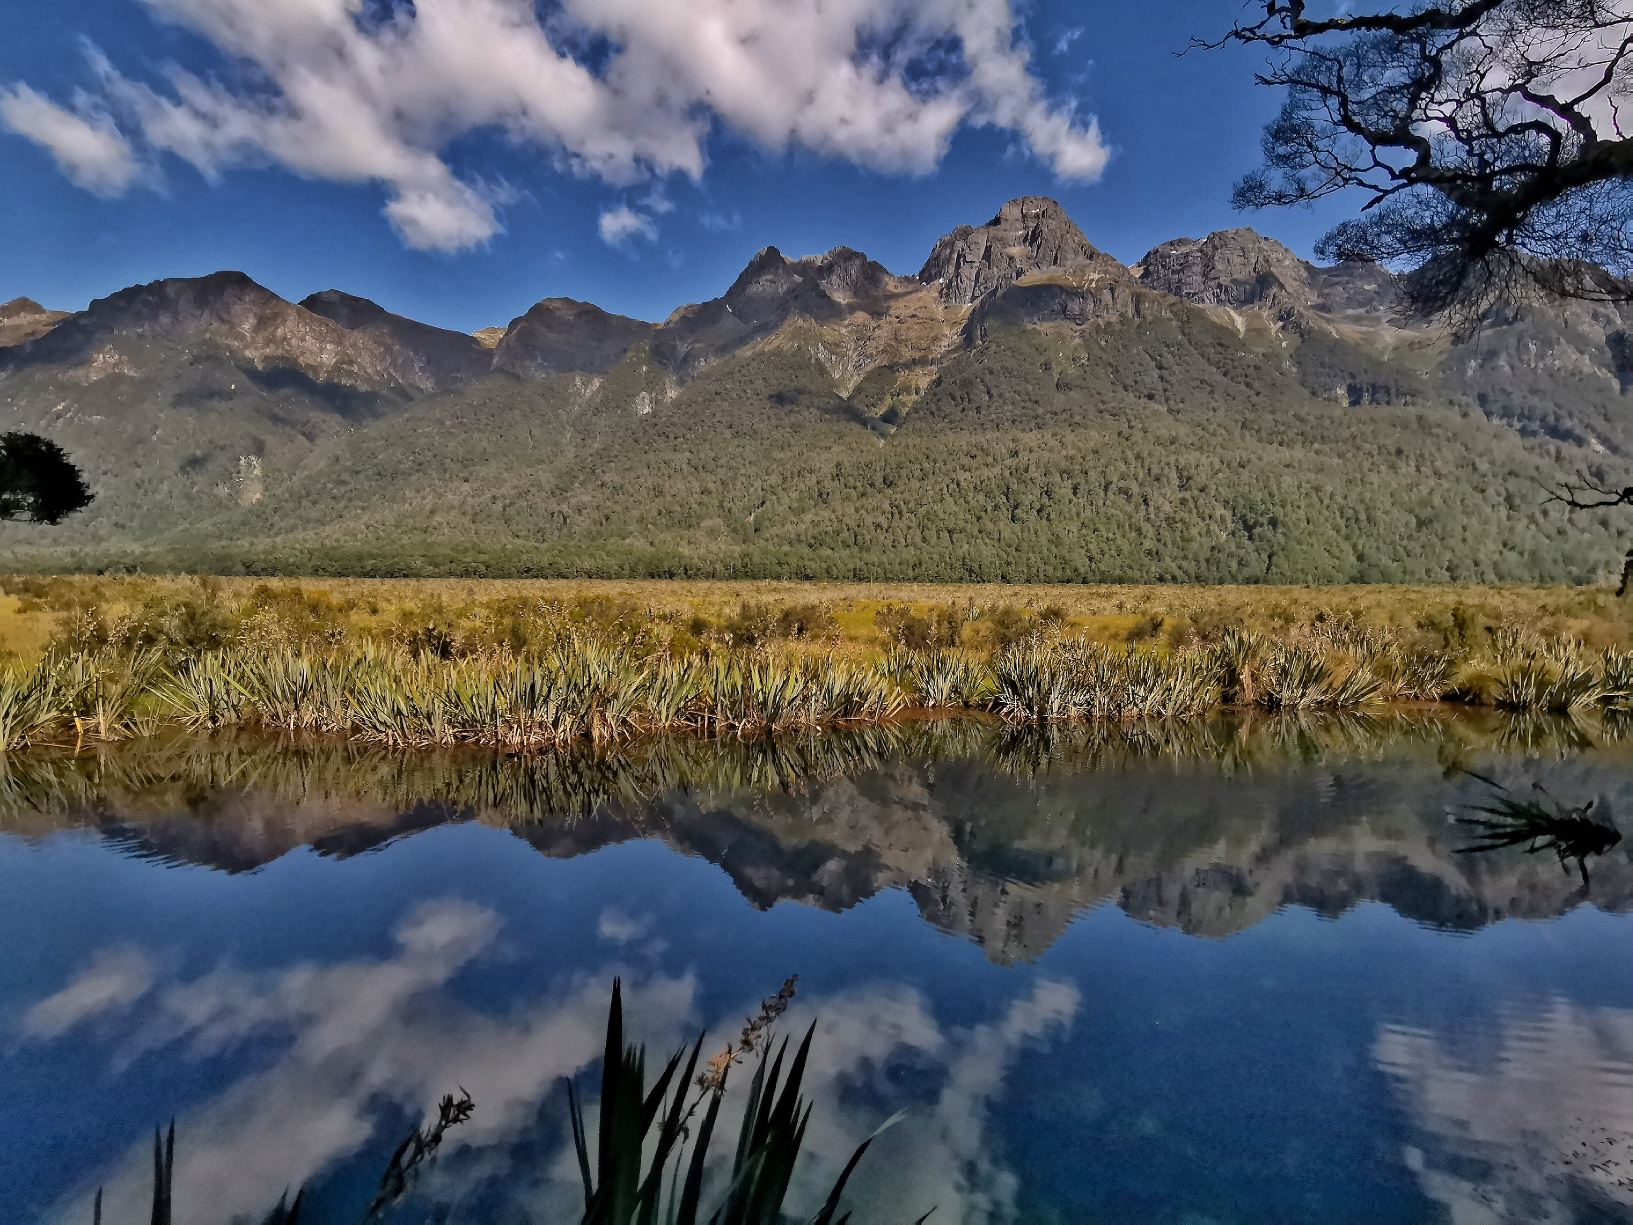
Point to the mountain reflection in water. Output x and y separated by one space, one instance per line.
298 947
999 833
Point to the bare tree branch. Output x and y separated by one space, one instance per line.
1484 135
1586 494
1285 22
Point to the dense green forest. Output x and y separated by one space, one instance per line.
1165 449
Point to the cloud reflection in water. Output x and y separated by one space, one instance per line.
1540 1130
353 1036
113 980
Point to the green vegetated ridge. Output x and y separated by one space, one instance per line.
1144 446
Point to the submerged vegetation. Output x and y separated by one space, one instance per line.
1541 823
515 673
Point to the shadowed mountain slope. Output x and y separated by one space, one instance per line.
426 358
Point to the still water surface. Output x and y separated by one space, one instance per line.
1221 973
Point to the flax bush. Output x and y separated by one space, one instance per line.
569 677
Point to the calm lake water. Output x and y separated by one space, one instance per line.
1213 973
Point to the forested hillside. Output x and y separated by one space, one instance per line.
1087 424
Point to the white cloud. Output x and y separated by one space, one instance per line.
359 1033
713 219
87 146
621 928
347 100
445 220
622 223
657 200
1066 38
941 1156
114 979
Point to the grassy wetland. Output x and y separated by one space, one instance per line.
523 665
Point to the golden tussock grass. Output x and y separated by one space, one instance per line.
525 664
38 609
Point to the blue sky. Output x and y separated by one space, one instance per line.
457 162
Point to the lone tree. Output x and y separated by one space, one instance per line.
1486 134
38 482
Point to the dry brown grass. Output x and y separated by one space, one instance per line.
24 634
36 609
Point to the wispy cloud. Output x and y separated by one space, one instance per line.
363 1032
352 101
657 200
1065 39
620 224
87 146
713 219
621 928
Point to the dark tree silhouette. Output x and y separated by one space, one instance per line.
38 482
1585 494
1486 134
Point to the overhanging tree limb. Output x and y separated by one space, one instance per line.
1485 136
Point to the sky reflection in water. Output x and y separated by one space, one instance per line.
1232 975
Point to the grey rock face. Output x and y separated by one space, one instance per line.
563 334
1228 268
1355 289
1242 268
430 356
851 278
1029 234
772 287
1022 305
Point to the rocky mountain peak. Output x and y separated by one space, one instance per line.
851 278
772 287
421 355
767 275
1228 268
362 346
23 308
24 319
1029 234
1356 291
179 306
348 310
558 335
224 307
1241 268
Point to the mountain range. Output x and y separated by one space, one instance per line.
1023 408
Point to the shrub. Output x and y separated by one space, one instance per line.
937 628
